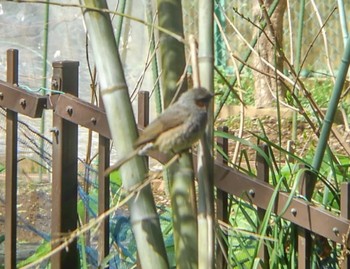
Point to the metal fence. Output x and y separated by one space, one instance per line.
71 112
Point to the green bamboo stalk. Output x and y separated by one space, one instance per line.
182 194
297 61
300 35
114 91
332 108
44 82
206 225
120 19
179 174
155 70
172 51
343 21
126 30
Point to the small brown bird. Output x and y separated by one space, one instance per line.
176 129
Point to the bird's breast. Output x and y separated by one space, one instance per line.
183 136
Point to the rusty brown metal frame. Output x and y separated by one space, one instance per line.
222 203
20 101
262 173
64 172
11 169
299 211
70 111
82 113
103 193
345 212
304 236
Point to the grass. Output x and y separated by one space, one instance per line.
285 176
320 88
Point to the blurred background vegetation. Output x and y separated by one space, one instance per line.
314 35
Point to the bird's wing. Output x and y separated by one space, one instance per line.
171 118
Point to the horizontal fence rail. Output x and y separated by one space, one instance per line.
70 111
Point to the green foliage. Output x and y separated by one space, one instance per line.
273 231
220 86
244 240
319 88
42 250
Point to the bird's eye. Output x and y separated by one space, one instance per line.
201 103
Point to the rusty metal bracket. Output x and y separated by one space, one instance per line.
21 101
75 110
299 211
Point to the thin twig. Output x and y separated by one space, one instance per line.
107 11
290 32
140 80
240 96
194 61
230 86
297 83
322 30
149 58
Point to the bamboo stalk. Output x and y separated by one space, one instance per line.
343 21
155 69
206 238
332 107
297 61
180 173
114 91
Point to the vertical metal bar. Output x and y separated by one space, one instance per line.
222 204
291 150
262 173
345 213
304 236
143 111
142 122
11 168
294 227
103 194
304 248
64 171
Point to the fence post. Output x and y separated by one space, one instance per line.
11 169
304 236
143 111
64 170
345 213
262 173
222 204
103 193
